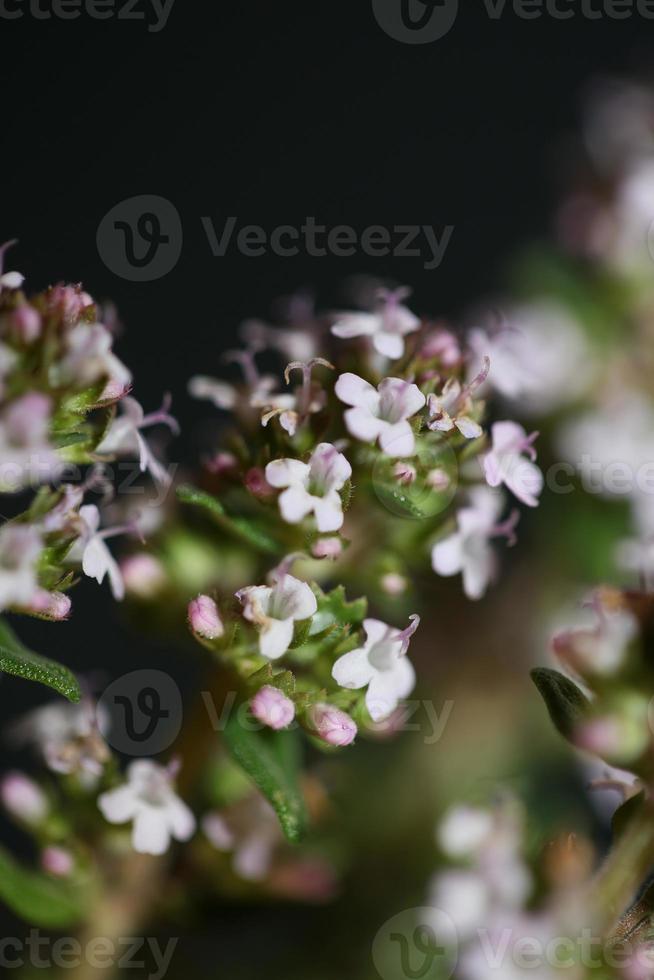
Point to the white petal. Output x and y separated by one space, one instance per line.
118 805
252 859
95 560
363 425
275 638
293 599
398 440
353 390
492 469
389 344
468 427
181 821
477 572
507 436
353 670
356 325
447 555
525 480
90 516
150 834
295 503
329 466
329 512
376 631
222 395
287 472
384 691
400 399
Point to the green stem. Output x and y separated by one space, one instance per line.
624 870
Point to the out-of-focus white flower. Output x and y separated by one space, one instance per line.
507 462
220 393
454 406
20 549
143 574
387 327
89 358
600 650
463 830
23 799
540 360
248 828
275 610
124 436
382 413
381 665
394 584
26 456
313 487
463 896
468 550
68 736
97 560
149 801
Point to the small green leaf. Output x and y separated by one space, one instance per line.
17 660
565 703
38 899
334 609
270 760
240 527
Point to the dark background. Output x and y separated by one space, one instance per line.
271 112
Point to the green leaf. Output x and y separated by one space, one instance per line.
17 660
625 813
334 609
40 900
565 703
270 760
239 527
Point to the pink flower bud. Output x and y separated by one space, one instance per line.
57 861
204 618
25 323
143 575
443 344
394 584
332 725
437 479
222 463
23 799
272 708
256 483
51 605
327 548
405 473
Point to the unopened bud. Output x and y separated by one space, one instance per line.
394 584
23 799
327 548
405 473
332 725
143 575
25 323
56 861
272 708
204 618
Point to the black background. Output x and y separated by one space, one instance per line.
270 112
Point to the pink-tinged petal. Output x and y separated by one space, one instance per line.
287 472
492 469
444 424
468 427
376 631
356 325
90 516
294 504
508 437
118 805
353 390
447 555
150 834
329 512
362 425
330 466
478 571
275 638
400 399
293 599
132 411
253 858
398 440
222 395
181 821
525 480
389 344
353 670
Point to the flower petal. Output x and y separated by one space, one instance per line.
150 834
468 427
389 344
363 425
181 821
353 390
398 440
447 555
356 325
329 512
222 395
353 670
287 472
275 638
525 480
118 805
295 503
293 599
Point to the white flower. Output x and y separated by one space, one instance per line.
25 452
97 560
125 436
250 829
468 550
148 799
313 487
386 328
505 463
68 736
381 414
220 393
89 357
275 609
20 549
453 407
381 665
463 830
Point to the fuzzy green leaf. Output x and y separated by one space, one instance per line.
335 610
17 660
239 527
40 900
564 701
270 760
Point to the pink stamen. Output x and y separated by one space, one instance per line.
162 417
507 528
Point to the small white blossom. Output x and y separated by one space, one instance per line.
97 560
386 328
381 665
507 463
26 456
275 610
463 830
382 413
313 487
454 406
20 549
468 550
89 358
124 436
68 736
149 801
